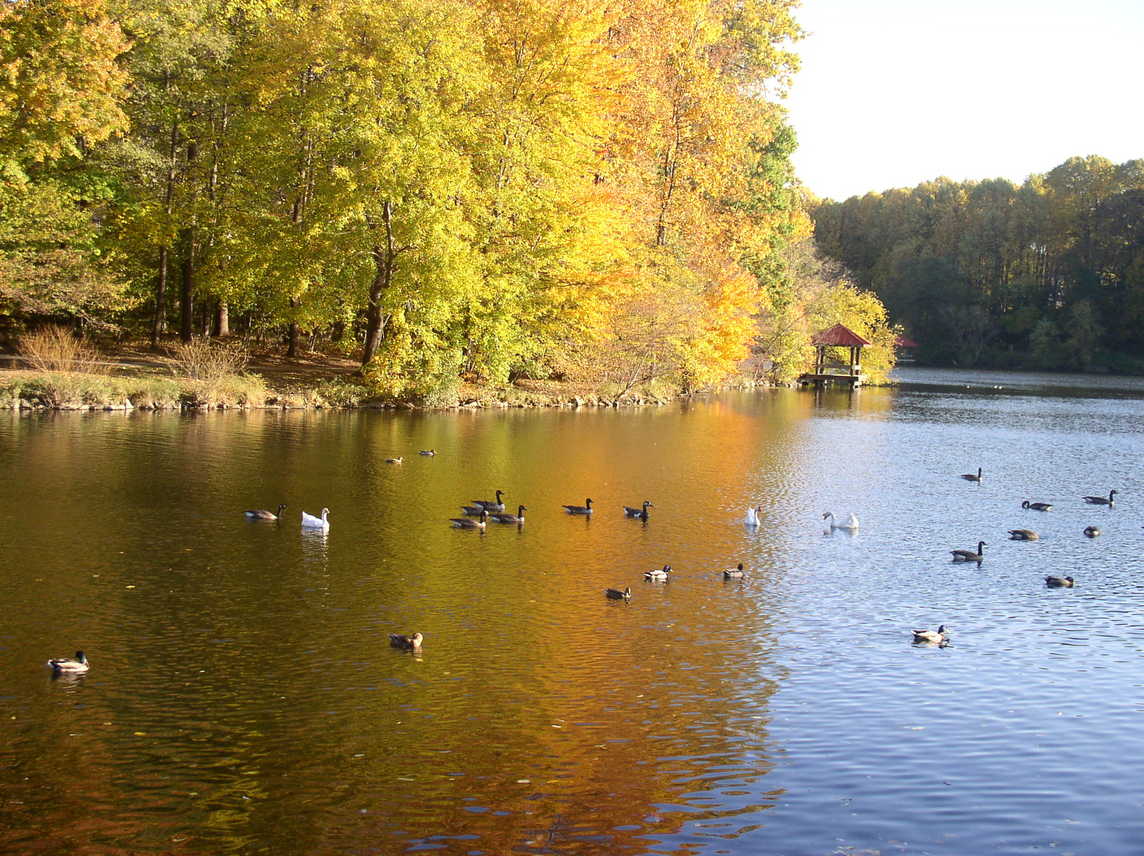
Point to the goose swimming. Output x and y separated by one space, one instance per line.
410 642
939 636
850 525
68 665
1100 500
263 514
969 555
309 521
640 513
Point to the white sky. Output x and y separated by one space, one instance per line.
896 92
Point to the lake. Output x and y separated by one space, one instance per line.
243 698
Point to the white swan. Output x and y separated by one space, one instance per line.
851 524
309 521
752 518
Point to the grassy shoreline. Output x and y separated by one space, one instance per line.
82 391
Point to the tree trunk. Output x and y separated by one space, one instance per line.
187 287
222 320
383 263
292 333
159 321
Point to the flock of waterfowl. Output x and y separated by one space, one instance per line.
941 635
480 512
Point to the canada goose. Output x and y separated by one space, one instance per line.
1037 506
412 642
511 518
1059 582
494 505
428 452
395 460
641 513
70 666
586 508
969 555
469 523
851 524
1100 500
309 521
1092 531
735 573
616 594
971 476
1023 535
658 575
939 636
263 514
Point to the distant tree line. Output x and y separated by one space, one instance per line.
482 188
1048 274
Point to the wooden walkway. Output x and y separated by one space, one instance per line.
828 378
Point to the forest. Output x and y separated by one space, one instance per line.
488 189
1045 275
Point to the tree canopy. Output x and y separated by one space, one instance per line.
486 188
1048 274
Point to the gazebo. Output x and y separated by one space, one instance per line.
837 336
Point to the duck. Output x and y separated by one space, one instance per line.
969 555
658 575
494 505
641 513
586 508
1059 582
428 453
68 665
851 524
263 514
1092 531
752 518
735 573
309 521
971 476
397 460
1037 506
410 642
511 518
939 636
616 594
1100 500
469 523
1023 535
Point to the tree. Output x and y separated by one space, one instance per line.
60 91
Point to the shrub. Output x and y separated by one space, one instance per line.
203 359
338 392
57 349
230 390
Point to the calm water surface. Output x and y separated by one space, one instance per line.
243 699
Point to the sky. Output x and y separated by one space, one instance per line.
892 93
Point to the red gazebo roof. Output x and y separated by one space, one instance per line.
838 335
906 342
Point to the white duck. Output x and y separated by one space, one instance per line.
752 518
309 521
851 524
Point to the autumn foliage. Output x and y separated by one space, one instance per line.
486 189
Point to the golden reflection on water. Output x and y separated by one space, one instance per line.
243 693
